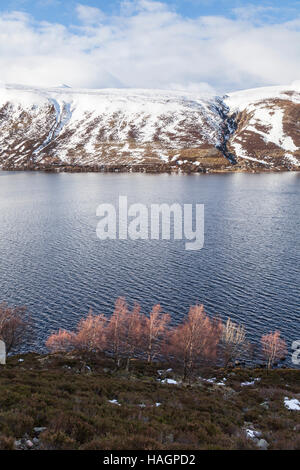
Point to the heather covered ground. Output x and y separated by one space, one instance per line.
75 401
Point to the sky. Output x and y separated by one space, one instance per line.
195 45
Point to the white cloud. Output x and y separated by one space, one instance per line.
250 12
193 87
89 15
150 45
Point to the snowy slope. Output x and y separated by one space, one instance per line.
127 128
268 126
239 100
106 127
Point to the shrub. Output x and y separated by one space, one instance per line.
7 443
15 326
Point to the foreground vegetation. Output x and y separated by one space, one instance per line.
197 341
133 382
128 334
83 402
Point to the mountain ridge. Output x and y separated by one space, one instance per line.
149 130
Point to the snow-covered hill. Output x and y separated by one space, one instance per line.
267 126
148 129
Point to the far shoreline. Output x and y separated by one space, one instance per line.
143 169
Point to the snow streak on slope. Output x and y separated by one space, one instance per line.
63 115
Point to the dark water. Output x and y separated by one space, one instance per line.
52 261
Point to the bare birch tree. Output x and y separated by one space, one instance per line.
273 348
15 326
233 342
154 331
194 342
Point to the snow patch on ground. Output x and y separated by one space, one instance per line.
169 381
252 382
210 381
213 380
114 402
292 159
162 371
222 382
292 404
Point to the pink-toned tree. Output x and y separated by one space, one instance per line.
273 348
155 330
91 333
194 342
116 329
132 334
61 341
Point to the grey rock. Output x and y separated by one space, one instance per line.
262 444
265 405
29 443
35 440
